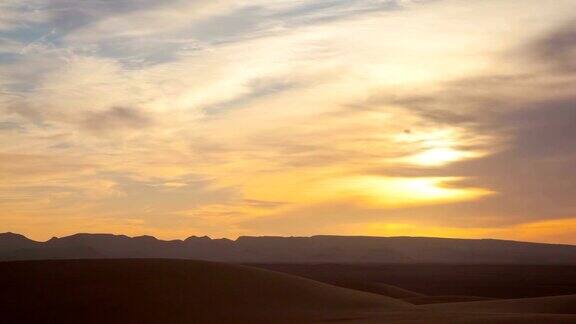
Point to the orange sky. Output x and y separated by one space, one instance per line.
449 118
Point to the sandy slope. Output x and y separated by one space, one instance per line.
183 291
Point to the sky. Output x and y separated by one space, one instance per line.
449 118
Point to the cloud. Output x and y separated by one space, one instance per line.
529 121
558 48
534 171
9 126
16 14
116 118
526 121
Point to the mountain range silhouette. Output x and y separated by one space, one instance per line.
268 249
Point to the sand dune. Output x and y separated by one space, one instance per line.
184 291
380 289
494 281
468 318
423 300
409 296
171 291
544 305
394 292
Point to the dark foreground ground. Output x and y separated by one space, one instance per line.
496 281
184 291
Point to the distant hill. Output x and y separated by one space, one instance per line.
315 249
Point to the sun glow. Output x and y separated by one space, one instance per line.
436 147
439 156
398 192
